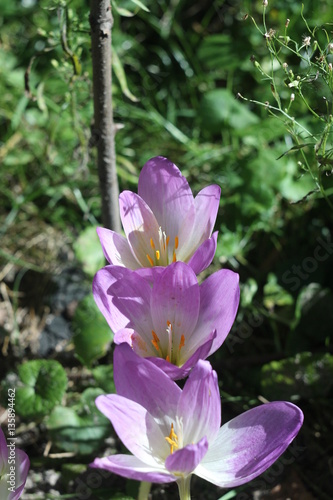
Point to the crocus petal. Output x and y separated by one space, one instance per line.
204 255
180 372
150 273
21 472
133 468
185 460
135 427
141 381
124 302
250 443
200 404
219 299
116 249
168 194
3 451
135 341
139 224
103 279
206 207
175 299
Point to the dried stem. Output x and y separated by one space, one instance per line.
101 24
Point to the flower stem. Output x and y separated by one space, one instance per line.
144 490
184 488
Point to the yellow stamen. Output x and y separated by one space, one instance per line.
176 242
169 324
182 342
151 262
167 358
167 240
152 243
173 258
172 439
157 254
155 341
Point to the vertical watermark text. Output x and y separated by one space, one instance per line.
11 441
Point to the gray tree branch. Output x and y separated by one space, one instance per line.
101 22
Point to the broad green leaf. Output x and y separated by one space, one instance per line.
219 109
80 429
44 383
88 251
103 374
92 335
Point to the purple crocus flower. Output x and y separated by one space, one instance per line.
173 433
175 322
163 223
14 467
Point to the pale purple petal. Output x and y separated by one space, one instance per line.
168 194
124 335
140 380
206 207
103 279
175 300
176 372
250 443
133 468
185 460
135 341
204 255
200 404
139 224
116 249
135 427
3 450
219 299
21 472
124 302
150 273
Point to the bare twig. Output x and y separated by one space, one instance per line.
101 23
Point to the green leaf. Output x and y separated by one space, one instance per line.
120 74
220 109
103 375
276 295
44 384
306 375
141 5
80 429
92 334
88 251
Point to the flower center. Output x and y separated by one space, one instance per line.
170 350
161 254
172 440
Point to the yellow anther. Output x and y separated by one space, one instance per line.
157 254
167 240
172 439
167 358
182 342
174 257
176 242
169 324
151 262
152 244
155 341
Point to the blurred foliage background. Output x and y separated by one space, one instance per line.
232 97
